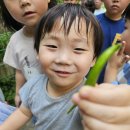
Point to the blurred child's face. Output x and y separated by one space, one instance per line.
27 12
66 59
71 1
126 36
115 7
98 4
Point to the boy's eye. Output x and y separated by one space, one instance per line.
79 49
51 46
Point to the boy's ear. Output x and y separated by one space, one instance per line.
93 62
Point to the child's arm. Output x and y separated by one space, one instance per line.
106 107
20 80
17 119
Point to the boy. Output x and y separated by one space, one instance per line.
111 22
67 44
90 5
98 7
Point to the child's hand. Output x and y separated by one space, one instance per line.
119 58
106 107
115 63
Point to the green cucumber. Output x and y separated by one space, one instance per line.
97 68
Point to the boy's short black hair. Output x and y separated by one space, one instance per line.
126 12
69 12
10 22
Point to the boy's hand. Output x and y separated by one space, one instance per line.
106 107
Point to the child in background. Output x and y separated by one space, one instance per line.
20 53
111 22
67 44
98 7
121 74
89 4
71 1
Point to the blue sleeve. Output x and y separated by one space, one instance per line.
24 94
5 111
27 89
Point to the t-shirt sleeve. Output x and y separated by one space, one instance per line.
26 92
10 57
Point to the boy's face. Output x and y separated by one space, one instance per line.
66 59
115 7
126 36
98 4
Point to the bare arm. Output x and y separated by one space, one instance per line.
20 80
17 119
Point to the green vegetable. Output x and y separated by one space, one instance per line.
95 71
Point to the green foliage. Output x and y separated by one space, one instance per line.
7 84
4 38
60 1
7 80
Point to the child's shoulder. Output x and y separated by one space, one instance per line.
17 33
32 84
34 81
102 15
19 38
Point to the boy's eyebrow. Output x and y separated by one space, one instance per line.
79 39
52 37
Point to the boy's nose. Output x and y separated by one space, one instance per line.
63 58
24 3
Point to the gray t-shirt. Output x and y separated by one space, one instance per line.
50 113
20 54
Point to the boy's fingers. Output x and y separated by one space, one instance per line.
105 113
113 96
121 51
95 124
84 125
